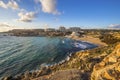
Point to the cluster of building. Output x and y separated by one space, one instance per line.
43 32
63 29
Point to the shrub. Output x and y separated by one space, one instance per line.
109 39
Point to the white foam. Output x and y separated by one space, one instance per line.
79 45
63 42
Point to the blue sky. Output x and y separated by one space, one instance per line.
55 13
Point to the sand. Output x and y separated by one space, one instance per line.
90 39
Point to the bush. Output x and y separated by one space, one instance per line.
109 39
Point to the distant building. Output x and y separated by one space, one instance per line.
62 29
75 29
49 29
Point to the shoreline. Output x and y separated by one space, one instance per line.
89 39
61 62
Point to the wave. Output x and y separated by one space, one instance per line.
29 54
80 45
58 63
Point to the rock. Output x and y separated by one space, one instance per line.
109 68
112 59
102 64
45 71
8 78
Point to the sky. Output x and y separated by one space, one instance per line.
28 14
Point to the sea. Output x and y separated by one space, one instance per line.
21 54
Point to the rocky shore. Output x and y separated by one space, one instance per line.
101 63
85 65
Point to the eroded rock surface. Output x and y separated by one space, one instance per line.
109 67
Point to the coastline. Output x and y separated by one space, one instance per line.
89 39
53 68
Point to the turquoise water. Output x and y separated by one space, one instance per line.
20 54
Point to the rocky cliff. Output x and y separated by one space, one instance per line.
109 67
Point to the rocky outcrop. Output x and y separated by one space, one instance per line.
62 75
109 67
102 63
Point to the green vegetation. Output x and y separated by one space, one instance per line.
109 39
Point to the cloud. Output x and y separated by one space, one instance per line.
11 4
3 5
49 6
4 25
114 26
26 16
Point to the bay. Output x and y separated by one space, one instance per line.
20 54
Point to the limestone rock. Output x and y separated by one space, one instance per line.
109 68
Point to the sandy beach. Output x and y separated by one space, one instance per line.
90 39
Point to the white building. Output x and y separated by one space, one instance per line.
75 29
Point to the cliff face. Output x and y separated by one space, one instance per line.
109 67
